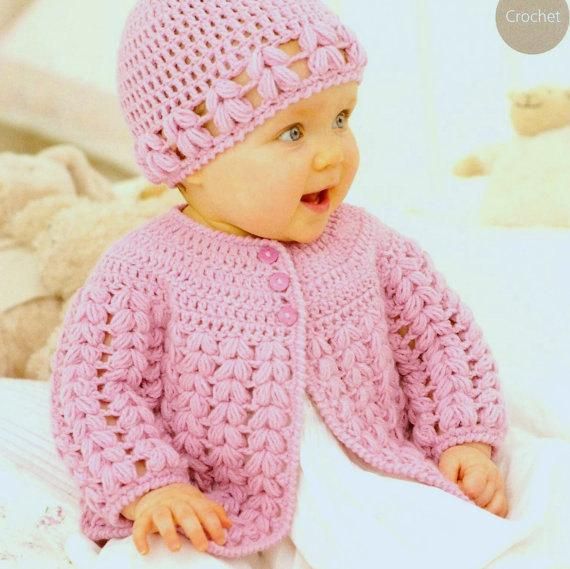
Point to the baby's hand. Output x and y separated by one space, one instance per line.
178 504
471 468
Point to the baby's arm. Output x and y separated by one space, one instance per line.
446 368
128 510
106 392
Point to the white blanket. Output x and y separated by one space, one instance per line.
515 282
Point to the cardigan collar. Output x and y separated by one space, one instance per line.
183 236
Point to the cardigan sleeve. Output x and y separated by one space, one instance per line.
106 389
447 371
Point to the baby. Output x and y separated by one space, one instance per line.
189 359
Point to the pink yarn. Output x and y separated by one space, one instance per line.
215 337
177 54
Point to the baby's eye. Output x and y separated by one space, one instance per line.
345 114
294 128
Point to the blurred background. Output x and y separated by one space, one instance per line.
435 87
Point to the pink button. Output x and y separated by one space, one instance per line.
279 281
288 315
268 254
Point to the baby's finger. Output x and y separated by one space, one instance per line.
498 505
162 518
490 490
219 509
450 466
474 482
210 520
142 525
187 519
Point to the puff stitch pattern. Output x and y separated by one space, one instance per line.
205 379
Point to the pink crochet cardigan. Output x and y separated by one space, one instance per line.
215 337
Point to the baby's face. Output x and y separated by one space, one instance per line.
255 187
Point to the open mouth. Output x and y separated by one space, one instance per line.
318 202
316 198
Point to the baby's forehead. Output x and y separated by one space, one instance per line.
328 101
344 94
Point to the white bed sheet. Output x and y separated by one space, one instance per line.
38 499
515 282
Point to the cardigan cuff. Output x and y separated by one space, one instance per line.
493 437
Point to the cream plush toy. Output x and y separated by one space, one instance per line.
58 215
529 177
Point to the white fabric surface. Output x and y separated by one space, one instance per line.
38 501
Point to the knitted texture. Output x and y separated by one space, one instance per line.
195 76
213 339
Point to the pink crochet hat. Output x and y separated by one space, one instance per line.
175 55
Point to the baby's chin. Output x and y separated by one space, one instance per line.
300 229
305 236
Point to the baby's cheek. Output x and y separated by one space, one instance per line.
353 157
282 200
